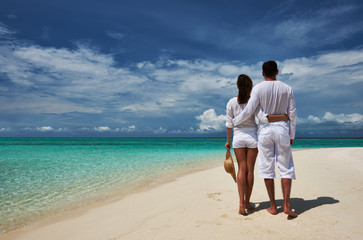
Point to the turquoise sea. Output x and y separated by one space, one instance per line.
43 176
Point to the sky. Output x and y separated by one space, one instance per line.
164 68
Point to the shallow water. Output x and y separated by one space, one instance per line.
41 176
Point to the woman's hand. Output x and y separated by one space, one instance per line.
228 146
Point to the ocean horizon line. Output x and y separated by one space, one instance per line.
172 137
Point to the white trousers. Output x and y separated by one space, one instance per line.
274 143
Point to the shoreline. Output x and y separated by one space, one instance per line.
208 198
62 212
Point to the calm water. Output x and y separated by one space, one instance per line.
40 176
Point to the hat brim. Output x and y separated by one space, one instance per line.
229 165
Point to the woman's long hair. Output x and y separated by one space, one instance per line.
244 84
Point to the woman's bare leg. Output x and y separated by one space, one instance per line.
241 155
251 160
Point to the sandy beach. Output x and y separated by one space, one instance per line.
327 195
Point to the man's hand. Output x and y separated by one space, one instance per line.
291 141
286 118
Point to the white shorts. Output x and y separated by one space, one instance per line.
274 142
245 140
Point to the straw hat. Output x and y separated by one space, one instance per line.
229 166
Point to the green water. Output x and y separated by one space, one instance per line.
40 176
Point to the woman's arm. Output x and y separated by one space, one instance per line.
276 118
228 144
229 125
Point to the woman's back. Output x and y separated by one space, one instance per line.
233 109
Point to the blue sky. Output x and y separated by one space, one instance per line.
167 68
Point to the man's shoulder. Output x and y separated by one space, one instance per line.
258 86
283 85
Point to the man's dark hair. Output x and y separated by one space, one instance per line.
269 68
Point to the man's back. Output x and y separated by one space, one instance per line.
274 96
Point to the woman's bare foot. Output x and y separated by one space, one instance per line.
272 210
289 212
242 211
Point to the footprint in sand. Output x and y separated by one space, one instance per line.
214 196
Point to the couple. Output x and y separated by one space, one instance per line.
273 103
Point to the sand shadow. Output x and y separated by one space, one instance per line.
299 205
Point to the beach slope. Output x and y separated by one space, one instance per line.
327 195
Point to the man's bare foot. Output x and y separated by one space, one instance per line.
289 212
242 211
250 207
271 210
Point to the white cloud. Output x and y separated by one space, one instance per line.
102 129
344 118
5 31
210 122
141 107
230 70
320 27
324 72
45 129
33 103
83 60
60 76
5 129
126 129
354 118
115 35
314 119
160 130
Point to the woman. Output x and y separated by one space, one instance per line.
245 140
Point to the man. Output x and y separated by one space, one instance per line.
274 138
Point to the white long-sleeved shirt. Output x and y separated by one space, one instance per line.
249 125
273 97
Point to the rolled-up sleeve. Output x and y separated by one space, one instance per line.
229 114
292 115
261 115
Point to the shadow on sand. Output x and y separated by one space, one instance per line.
299 205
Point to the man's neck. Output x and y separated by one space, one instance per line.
271 77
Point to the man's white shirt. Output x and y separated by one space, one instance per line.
273 97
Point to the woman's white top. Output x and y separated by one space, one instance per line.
249 125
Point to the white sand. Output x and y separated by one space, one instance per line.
327 195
